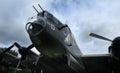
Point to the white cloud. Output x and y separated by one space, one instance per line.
99 16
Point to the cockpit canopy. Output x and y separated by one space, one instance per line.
50 18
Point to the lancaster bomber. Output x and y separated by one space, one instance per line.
59 52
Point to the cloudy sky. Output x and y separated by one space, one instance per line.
98 16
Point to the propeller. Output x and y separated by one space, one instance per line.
22 50
98 36
114 48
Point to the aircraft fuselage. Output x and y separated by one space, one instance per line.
54 39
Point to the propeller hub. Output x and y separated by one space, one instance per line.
116 47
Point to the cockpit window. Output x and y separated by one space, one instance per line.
47 14
68 37
52 19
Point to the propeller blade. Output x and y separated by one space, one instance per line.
19 62
8 49
98 36
30 47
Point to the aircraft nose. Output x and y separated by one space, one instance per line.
36 27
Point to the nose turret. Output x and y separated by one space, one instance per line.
36 27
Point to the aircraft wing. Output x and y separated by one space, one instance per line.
96 63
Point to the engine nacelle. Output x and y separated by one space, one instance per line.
114 49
